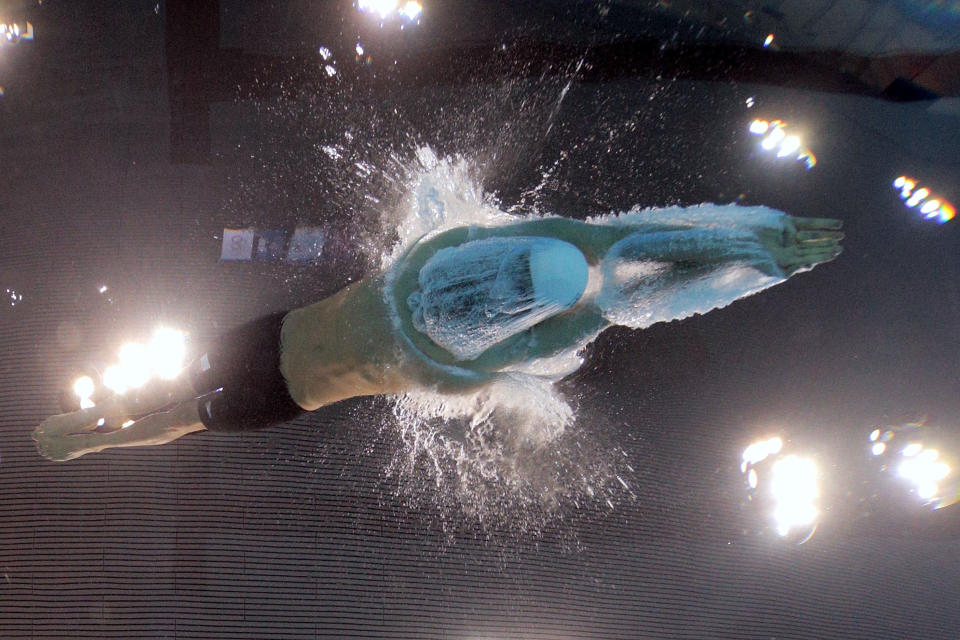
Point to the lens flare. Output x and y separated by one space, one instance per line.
166 352
114 379
83 387
760 451
920 467
794 488
947 212
930 205
775 137
135 364
411 10
789 146
13 33
790 489
382 7
917 197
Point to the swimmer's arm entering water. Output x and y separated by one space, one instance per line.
790 244
776 245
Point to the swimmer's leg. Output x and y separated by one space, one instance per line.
154 429
117 409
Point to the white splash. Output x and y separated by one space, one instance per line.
444 193
512 450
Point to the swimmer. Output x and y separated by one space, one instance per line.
460 308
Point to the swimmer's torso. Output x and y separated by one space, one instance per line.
341 347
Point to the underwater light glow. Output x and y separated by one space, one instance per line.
13 33
935 208
84 387
790 488
114 379
760 451
926 474
382 7
794 487
162 357
166 352
385 8
775 136
789 146
135 364
411 10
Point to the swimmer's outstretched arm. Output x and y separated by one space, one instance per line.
791 243
775 244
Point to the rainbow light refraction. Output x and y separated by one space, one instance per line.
930 205
776 138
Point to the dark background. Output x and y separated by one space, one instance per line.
132 133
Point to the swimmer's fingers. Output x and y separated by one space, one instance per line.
807 224
808 259
819 237
816 248
816 257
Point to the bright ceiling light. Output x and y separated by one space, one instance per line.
166 352
794 488
922 468
114 379
382 7
83 387
411 10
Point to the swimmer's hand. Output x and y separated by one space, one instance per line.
801 243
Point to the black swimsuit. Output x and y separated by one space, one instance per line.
240 379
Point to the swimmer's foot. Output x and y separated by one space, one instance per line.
108 415
70 435
66 447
